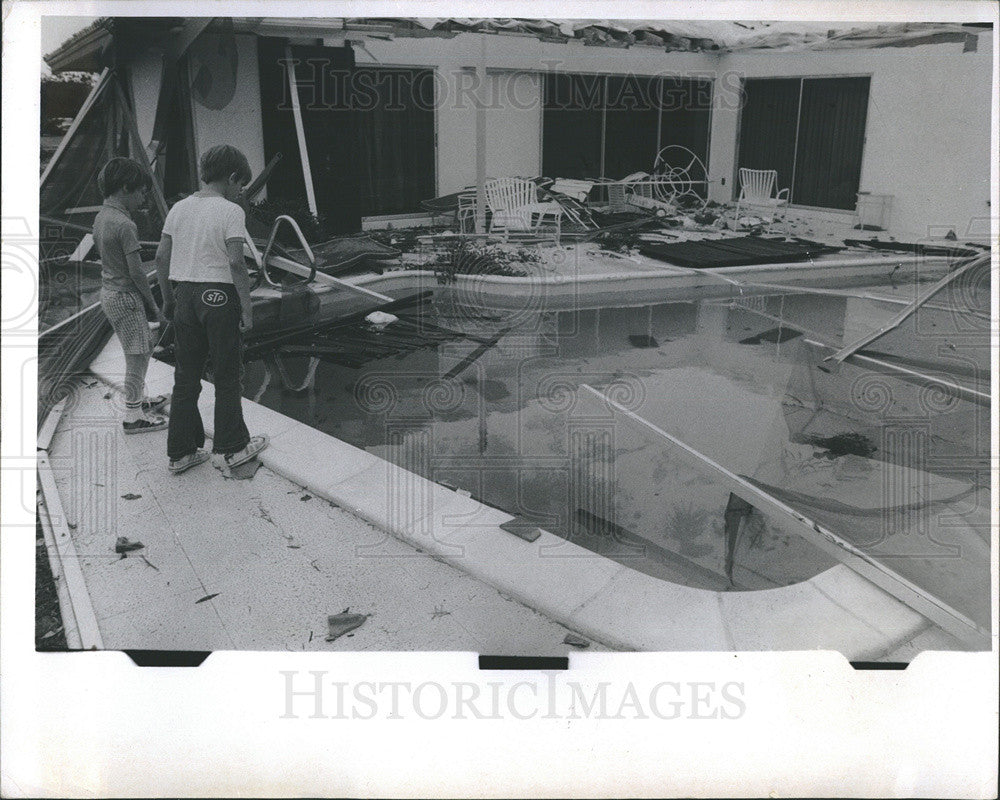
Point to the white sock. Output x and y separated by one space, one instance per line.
133 411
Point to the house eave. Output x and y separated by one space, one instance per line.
82 53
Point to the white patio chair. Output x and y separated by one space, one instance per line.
757 194
465 214
514 206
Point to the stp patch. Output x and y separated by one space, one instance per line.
214 297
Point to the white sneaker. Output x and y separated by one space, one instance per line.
145 424
230 460
190 460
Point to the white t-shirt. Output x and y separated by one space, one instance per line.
199 228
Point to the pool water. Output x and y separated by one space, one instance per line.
898 466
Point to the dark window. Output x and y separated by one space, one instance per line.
369 133
571 126
767 127
831 140
812 131
614 125
631 125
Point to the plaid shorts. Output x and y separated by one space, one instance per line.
127 315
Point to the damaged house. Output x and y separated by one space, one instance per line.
387 113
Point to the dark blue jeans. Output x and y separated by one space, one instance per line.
207 325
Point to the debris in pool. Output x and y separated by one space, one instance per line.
380 318
852 466
344 622
775 336
842 444
642 340
124 545
575 641
493 390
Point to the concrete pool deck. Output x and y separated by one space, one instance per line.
277 564
274 558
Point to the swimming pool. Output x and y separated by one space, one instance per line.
897 464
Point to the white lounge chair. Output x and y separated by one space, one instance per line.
757 194
514 206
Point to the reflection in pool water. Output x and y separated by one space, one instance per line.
898 466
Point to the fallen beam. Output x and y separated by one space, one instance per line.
786 517
898 320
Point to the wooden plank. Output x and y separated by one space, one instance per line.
83 609
300 132
70 629
48 428
474 356
786 517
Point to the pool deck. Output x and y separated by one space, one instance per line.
324 526
276 559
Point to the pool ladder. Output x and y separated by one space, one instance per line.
262 259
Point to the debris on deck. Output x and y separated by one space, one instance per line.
243 472
344 622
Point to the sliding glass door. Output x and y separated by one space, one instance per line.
613 125
369 133
812 131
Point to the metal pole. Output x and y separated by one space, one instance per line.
787 518
896 321
481 137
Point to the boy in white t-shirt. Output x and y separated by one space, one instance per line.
206 292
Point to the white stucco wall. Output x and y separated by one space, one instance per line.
928 128
144 75
927 135
239 123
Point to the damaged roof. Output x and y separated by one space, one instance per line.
82 50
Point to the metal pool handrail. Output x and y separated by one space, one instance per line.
270 244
